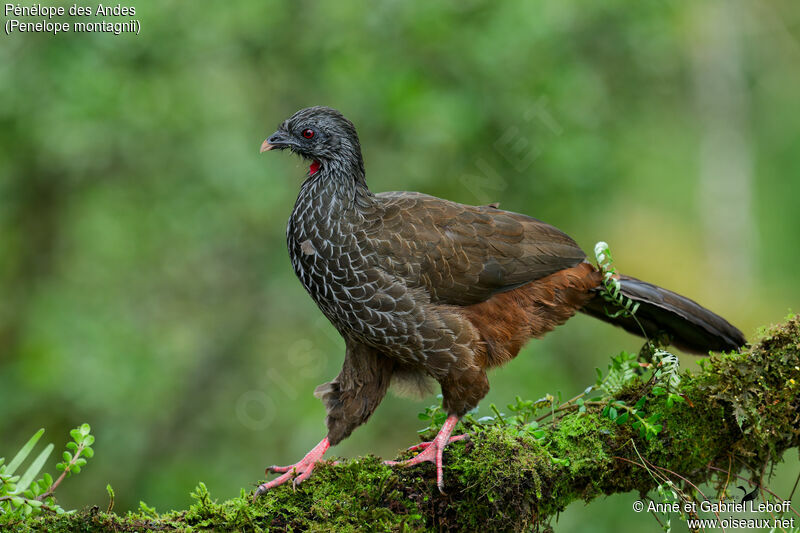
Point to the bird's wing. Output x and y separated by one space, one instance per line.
463 254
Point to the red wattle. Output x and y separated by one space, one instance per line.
313 168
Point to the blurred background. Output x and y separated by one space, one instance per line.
145 286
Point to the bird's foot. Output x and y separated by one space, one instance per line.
425 445
298 472
432 451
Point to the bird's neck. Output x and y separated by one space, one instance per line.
338 186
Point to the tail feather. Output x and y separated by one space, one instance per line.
690 326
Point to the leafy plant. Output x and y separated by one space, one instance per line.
435 414
621 371
625 371
611 289
25 495
667 375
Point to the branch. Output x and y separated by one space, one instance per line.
67 469
742 412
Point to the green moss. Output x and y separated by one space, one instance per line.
342 497
506 480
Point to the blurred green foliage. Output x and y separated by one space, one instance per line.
143 272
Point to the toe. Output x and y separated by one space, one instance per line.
420 446
305 475
259 491
275 469
280 480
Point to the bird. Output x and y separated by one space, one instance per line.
427 290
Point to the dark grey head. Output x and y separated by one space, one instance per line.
322 135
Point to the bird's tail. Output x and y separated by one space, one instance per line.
690 326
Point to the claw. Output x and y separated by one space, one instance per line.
432 451
304 467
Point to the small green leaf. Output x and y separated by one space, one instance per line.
675 398
33 470
23 452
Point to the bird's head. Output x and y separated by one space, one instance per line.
321 135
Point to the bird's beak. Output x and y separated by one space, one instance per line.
277 140
266 146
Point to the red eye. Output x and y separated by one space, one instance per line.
308 133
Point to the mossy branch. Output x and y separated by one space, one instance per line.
742 412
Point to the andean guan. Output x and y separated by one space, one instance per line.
421 288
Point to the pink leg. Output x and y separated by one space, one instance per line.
303 467
424 445
433 450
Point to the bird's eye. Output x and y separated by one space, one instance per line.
308 133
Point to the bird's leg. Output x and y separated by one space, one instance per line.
301 469
433 450
349 399
424 445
